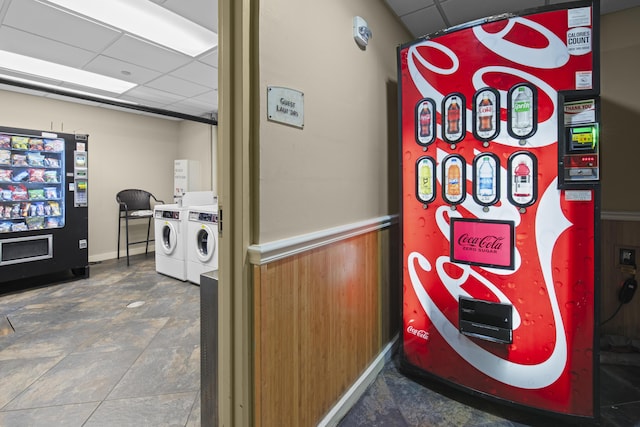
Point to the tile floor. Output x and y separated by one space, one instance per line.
394 400
80 357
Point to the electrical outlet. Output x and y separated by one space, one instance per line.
627 256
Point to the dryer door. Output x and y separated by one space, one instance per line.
169 238
205 241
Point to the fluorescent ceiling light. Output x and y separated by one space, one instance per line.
147 20
63 89
50 70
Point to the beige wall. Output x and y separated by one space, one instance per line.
126 150
620 94
334 171
199 142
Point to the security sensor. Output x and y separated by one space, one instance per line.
361 32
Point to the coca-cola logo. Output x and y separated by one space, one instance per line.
488 243
420 333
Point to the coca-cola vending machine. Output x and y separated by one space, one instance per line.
500 207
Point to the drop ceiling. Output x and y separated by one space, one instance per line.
165 79
170 81
422 17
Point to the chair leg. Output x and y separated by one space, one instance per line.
126 221
146 249
119 227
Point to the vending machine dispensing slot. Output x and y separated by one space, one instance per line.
579 150
487 320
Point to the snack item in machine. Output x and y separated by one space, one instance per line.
5 157
50 193
36 194
53 145
5 193
19 226
5 175
35 223
19 142
19 160
5 141
51 162
51 176
19 192
5 226
35 159
36 144
55 208
37 175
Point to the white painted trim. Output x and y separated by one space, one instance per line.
620 216
359 387
280 249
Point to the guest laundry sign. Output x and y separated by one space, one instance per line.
285 106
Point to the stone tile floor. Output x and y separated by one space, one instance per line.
80 356
395 400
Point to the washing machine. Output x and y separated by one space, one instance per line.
202 241
170 230
170 226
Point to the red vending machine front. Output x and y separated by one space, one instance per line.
500 201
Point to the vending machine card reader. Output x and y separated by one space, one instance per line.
579 153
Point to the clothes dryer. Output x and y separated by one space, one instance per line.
202 241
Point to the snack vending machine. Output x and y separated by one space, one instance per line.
43 203
500 207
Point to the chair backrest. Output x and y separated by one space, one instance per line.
134 200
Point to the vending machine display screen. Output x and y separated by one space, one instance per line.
583 138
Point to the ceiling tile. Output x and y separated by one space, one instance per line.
197 72
203 12
404 7
210 58
139 52
177 86
49 22
424 21
144 94
462 11
113 68
28 44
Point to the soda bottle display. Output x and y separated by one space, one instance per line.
486 178
453 178
425 181
453 117
522 111
522 186
425 121
485 114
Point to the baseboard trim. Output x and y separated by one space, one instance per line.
280 249
123 254
351 397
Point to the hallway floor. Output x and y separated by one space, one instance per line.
122 348
80 356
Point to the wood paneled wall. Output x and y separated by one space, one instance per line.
615 235
318 325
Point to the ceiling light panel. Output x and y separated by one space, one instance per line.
50 70
147 20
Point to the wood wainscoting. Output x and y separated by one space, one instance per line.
318 325
618 234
